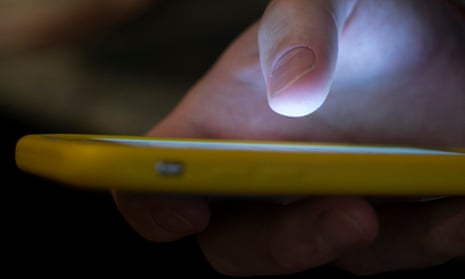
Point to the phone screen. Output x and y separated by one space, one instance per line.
279 147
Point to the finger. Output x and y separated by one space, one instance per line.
275 239
298 43
413 236
162 218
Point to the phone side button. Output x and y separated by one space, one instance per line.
169 168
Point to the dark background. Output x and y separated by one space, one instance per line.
55 230
51 229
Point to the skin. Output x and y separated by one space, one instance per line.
355 71
396 73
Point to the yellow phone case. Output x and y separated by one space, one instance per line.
103 162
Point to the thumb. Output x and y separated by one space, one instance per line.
298 44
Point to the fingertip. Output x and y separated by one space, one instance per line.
305 91
285 239
343 223
297 101
298 49
363 220
299 80
180 218
298 84
160 218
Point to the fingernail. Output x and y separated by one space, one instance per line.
290 68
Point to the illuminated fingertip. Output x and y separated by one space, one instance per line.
297 103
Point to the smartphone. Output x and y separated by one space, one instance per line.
236 167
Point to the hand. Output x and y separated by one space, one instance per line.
37 24
338 71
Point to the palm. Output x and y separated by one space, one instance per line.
392 84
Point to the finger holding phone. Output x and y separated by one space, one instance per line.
337 71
